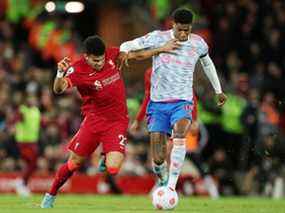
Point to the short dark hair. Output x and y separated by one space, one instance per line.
183 16
94 45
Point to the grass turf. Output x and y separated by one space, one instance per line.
114 204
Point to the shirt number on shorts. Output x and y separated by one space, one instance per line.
122 139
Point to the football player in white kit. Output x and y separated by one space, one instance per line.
169 110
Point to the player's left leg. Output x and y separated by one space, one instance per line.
110 165
114 160
114 143
178 151
181 121
62 175
81 146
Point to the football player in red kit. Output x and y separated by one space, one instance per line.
100 84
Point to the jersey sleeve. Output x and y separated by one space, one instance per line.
150 40
72 76
203 48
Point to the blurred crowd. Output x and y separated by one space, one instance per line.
245 150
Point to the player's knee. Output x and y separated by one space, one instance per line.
73 165
179 141
113 170
75 162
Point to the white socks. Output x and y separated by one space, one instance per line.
176 161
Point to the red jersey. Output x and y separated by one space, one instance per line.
147 76
102 92
141 113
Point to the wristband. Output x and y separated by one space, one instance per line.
59 74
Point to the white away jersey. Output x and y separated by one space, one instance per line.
172 76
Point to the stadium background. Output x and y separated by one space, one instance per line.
246 40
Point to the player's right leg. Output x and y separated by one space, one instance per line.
81 146
159 127
62 175
158 146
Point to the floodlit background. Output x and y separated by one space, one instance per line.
245 150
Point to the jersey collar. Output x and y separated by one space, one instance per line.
173 37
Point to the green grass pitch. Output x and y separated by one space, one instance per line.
140 204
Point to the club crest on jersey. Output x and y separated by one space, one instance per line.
98 85
69 71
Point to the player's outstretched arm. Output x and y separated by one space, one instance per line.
211 73
146 53
60 83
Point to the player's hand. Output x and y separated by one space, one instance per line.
122 60
222 98
64 64
170 45
135 127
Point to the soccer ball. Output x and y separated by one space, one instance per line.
164 198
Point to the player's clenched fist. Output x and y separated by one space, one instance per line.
63 66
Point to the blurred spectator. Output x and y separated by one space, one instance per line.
27 132
222 169
267 170
250 120
246 40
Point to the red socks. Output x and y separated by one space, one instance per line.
62 175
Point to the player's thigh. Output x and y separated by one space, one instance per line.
84 142
158 120
114 138
76 159
181 118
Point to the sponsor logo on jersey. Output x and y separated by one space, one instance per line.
98 85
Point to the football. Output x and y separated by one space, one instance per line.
164 198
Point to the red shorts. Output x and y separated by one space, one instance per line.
28 151
112 135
